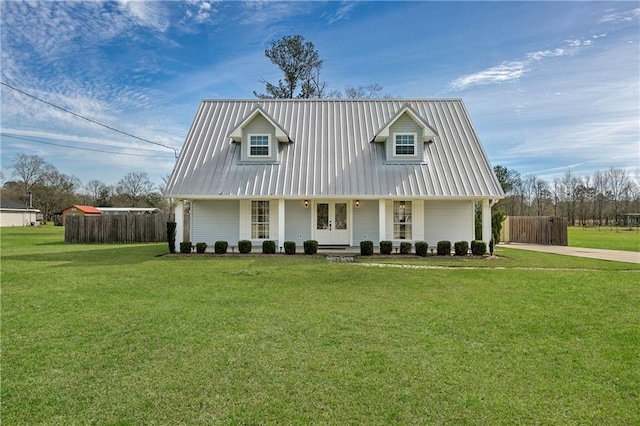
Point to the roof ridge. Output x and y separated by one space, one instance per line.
368 100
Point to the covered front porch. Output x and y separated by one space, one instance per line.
338 223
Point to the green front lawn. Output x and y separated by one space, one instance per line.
605 237
113 334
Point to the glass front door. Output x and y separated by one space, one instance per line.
332 223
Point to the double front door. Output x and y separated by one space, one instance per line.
332 222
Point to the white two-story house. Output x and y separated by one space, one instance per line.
335 171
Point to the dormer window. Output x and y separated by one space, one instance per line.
405 134
404 144
259 146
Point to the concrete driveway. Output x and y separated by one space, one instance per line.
613 255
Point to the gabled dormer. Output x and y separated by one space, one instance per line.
258 135
404 136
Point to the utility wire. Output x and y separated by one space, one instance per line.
175 151
5 135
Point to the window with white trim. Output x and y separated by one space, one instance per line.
259 145
404 144
259 220
402 229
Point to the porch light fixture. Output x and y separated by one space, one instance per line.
306 204
357 204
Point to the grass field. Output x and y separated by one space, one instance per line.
120 335
605 238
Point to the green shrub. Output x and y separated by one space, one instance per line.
461 248
478 248
386 247
290 247
497 218
201 247
244 246
421 248
444 248
185 247
220 247
405 247
366 248
268 247
310 247
171 236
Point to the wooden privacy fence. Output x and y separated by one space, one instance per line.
547 230
146 228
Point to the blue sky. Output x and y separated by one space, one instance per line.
550 86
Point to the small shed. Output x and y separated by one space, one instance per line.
76 210
13 213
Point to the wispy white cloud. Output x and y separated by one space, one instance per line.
200 11
536 56
271 12
514 70
626 16
343 12
146 14
506 71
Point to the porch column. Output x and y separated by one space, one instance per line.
179 218
382 219
486 222
281 223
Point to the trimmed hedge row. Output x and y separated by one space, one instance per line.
443 248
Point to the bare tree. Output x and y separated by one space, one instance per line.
600 185
619 187
30 170
570 184
584 198
134 187
359 92
636 191
97 192
542 195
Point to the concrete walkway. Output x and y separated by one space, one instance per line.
613 255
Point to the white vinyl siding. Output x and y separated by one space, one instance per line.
215 220
297 221
365 222
448 221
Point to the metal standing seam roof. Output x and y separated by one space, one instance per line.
332 153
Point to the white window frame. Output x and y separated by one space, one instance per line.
256 223
396 145
402 219
250 145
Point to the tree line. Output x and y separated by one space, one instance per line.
587 200
52 191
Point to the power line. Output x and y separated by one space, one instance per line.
175 151
76 147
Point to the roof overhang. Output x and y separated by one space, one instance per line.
236 133
428 132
